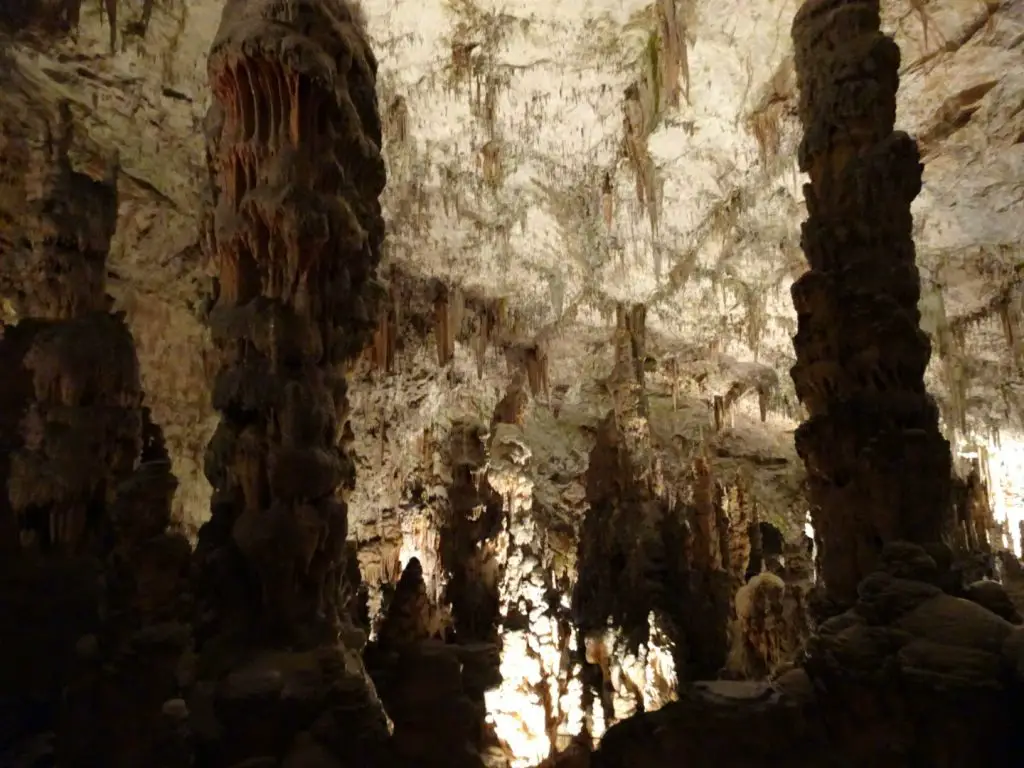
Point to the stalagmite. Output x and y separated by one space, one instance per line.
77 501
295 234
538 699
878 465
420 679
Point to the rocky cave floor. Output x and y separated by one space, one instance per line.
468 384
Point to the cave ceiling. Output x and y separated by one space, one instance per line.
547 161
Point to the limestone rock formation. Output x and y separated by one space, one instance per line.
124 707
420 680
878 466
78 503
537 638
885 683
560 392
294 231
659 567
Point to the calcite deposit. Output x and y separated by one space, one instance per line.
457 521
878 466
88 488
294 231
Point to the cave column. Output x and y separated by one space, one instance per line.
294 230
77 501
878 466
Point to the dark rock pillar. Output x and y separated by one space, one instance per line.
77 504
878 465
69 418
295 232
420 679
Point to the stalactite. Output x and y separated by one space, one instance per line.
707 552
1009 318
720 411
397 129
607 200
381 352
537 370
444 333
489 162
763 403
487 326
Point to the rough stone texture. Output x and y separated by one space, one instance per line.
77 501
652 562
293 230
121 707
878 466
909 676
69 422
547 163
729 199
420 681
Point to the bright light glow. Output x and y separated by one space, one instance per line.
1006 484
540 696
422 540
646 678
809 532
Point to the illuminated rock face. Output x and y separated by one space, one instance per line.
878 466
294 230
538 705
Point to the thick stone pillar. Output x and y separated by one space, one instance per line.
294 233
69 395
77 503
878 466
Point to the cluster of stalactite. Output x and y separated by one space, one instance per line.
86 509
878 465
888 681
978 541
294 230
658 571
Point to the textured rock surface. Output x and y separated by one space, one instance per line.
575 362
420 679
910 676
77 502
729 203
878 467
293 230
